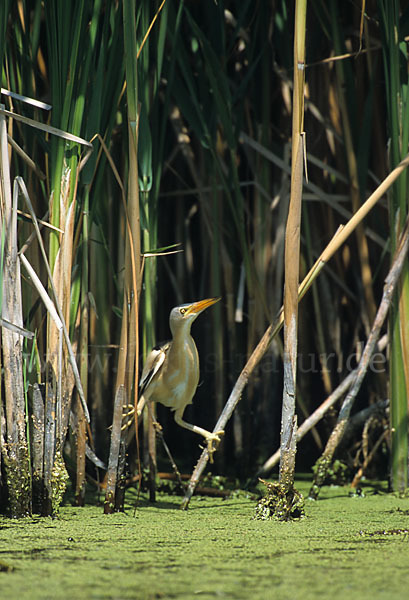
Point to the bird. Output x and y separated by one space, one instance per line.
171 372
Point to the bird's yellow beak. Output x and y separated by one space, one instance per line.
198 307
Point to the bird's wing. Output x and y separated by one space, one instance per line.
154 361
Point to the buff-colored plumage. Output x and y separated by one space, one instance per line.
171 372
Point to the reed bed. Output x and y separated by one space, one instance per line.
153 149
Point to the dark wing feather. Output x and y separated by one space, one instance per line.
154 361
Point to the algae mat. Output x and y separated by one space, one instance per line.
344 548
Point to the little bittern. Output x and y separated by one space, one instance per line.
171 372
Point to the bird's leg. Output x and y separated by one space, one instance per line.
211 438
156 425
141 405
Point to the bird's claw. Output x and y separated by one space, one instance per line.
128 412
128 415
213 440
157 426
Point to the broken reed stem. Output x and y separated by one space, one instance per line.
336 242
121 478
113 474
15 450
37 445
49 448
58 323
390 284
292 260
81 435
80 452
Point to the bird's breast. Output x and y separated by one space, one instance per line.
180 375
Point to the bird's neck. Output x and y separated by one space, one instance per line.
183 348
182 334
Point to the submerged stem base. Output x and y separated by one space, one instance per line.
281 502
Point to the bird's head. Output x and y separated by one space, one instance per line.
183 316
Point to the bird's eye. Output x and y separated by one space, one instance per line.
182 311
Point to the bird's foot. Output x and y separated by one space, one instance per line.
128 414
157 426
212 441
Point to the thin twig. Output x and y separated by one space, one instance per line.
159 433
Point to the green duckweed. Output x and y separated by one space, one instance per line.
345 547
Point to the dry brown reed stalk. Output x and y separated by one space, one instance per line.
52 412
129 376
37 445
292 259
117 433
127 368
14 445
55 303
62 377
336 242
81 442
60 286
62 283
391 282
83 345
